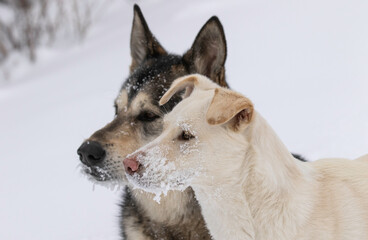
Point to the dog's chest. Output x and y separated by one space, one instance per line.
178 216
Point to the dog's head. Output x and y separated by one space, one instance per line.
138 116
201 137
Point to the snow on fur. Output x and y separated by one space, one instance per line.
168 178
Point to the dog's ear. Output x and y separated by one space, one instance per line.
142 43
231 108
207 55
187 82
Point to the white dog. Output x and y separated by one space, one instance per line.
248 184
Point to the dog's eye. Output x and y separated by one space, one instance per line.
147 117
185 136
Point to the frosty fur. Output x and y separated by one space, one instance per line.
248 184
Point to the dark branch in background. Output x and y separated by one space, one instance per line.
42 22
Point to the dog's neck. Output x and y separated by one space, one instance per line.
269 198
279 189
224 211
269 156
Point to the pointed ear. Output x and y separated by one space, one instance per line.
142 43
231 108
187 83
207 55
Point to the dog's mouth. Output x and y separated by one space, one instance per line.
97 173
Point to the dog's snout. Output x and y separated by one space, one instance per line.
131 165
91 153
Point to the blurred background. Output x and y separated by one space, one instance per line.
62 62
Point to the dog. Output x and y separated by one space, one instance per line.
248 184
138 120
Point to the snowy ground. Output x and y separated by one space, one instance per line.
303 63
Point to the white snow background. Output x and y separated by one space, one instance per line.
303 63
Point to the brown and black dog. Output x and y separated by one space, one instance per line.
138 120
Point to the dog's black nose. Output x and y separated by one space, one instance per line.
91 153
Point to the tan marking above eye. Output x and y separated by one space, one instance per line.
142 102
122 100
139 100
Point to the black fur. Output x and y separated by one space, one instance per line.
300 157
155 75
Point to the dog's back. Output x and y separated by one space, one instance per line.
340 169
363 158
341 210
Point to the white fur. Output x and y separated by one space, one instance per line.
248 184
